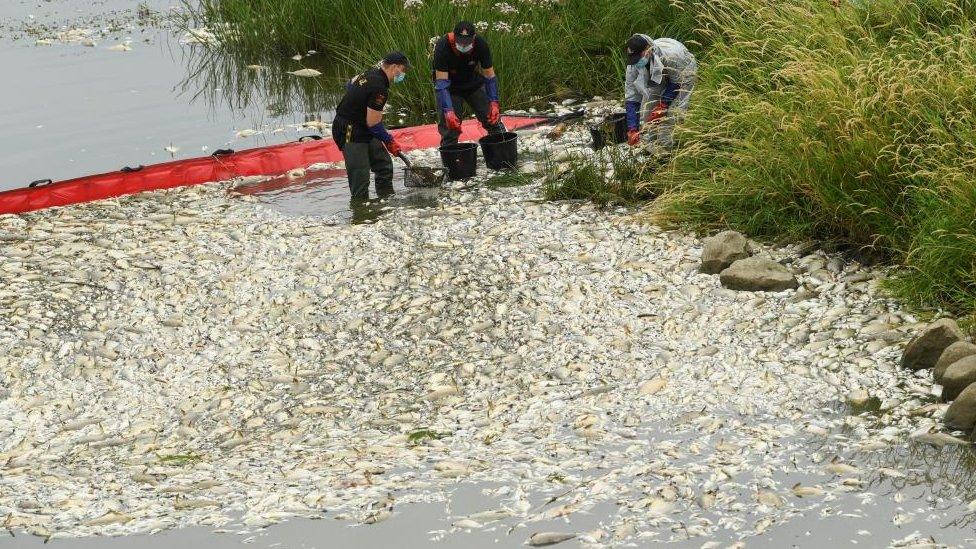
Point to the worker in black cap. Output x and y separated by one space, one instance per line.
661 75
358 127
463 72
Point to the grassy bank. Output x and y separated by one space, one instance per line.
543 49
852 124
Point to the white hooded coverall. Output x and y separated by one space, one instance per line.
670 63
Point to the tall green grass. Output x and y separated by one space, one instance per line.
613 177
850 123
569 48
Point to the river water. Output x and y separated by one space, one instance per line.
70 110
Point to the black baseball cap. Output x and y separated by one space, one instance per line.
464 33
396 58
635 48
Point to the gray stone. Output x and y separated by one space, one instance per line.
858 277
722 250
961 414
811 263
876 346
835 265
822 275
923 350
803 295
958 376
953 353
756 274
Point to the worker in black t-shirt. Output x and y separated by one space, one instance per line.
463 72
358 127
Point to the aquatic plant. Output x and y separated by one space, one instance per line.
544 50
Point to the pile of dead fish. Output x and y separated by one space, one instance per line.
190 357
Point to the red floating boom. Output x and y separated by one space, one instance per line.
273 160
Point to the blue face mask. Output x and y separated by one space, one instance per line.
642 62
399 78
465 49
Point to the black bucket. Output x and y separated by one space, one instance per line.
461 160
500 150
615 126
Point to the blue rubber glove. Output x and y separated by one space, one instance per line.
444 95
670 93
633 115
491 88
379 131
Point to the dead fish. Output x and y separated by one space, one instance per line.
901 519
443 391
232 443
937 438
558 131
839 468
316 125
561 511
597 390
306 73
79 424
707 499
451 469
801 491
770 499
466 524
185 504
491 515
378 516
112 517
145 479
660 506
92 438
817 430
23 521
541 539
926 410
858 398
886 472
652 386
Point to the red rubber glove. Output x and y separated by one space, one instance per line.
657 112
633 138
494 113
452 120
393 147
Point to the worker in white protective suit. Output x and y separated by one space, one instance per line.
661 75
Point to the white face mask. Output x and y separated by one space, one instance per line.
465 49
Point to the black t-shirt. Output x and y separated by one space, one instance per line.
462 68
368 90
